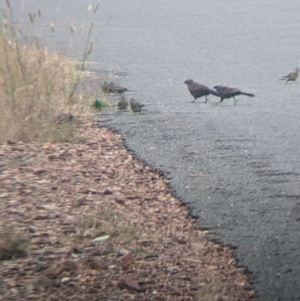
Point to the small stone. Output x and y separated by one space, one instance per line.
48 252
112 267
65 280
43 281
145 243
47 145
11 142
31 229
66 220
107 192
127 258
119 201
122 252
37 241
17 148
41 217
151 256
4 195
132 197
70 265
95 265
13 291
129 284
39 171
77 250
79 202
54 270
180 240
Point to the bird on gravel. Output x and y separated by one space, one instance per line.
136 107
105 87
112 88
123 103
228 92
198 90
117 89
292 76
98 104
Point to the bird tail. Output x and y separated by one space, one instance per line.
284 77
116 92
248 94
213 92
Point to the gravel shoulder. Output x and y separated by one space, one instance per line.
55 199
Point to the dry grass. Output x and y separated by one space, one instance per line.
104 222
36 86
11 247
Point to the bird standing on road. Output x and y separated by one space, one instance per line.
123 103
198 90
136 107
228 92
292 76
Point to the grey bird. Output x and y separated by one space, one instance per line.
228 92
292 76
123 103
105 87
198 90
114 88
136 107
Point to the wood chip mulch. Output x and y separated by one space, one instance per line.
57 198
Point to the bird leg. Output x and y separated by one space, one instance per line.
206 99
234 100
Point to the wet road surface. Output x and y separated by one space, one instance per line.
238 167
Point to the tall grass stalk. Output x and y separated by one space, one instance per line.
37 85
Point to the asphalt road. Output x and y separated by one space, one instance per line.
238 167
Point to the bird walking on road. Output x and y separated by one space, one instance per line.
228 92
136 107
123 103
292 76
198 90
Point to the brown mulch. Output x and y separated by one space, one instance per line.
56 198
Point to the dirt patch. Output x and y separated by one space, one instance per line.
93 223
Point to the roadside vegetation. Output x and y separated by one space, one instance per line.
40 89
